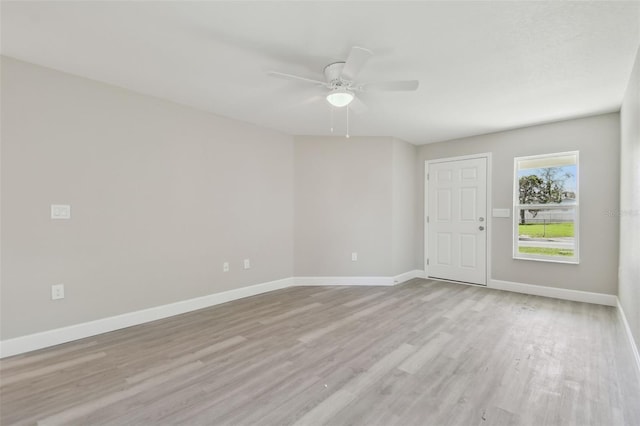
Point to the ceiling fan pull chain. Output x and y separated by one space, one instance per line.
331 109
347 122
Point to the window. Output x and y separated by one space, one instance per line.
546 206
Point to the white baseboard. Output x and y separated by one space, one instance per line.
356 281
627 329
365 281
556 293
57 336
416 273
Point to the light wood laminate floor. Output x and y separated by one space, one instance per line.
423 353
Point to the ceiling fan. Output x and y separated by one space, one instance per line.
340 80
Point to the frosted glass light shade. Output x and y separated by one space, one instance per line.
340 98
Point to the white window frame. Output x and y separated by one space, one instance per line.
575 259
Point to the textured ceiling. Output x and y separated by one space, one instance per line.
482 66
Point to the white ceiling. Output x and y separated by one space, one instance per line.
482 66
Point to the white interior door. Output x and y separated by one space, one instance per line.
456 220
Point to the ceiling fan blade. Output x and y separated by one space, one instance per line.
295 77
358 106
390 86
355 62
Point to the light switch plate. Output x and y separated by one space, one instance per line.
247 264
60 211
501 212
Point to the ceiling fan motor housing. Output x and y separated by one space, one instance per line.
332 74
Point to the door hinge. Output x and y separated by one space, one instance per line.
427 176
427 262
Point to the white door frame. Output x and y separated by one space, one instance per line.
489 222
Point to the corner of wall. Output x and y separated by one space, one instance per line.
629 208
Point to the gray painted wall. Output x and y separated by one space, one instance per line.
161 195
405 214
597 138
354 195
343 204
629 286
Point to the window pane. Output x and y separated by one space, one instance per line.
548 185
547 232
546 206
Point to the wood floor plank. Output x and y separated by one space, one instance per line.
77 411
290 313
423 353
363 299
324 411
185 359
21 361
51 368
353 317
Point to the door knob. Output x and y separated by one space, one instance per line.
481 228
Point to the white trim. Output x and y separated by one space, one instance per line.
416 273
459 158
488 216
359 281
554 292
573 260
627 329
61 335
57 336
444 280
355 281
425 206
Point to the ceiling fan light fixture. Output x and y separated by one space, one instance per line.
340 98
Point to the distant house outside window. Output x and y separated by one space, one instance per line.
546 208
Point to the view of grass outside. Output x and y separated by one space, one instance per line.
546 230
546 239
547 251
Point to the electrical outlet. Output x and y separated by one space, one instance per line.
225 267
57 291
354 256
247 264
60 211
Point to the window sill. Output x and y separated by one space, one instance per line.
571 261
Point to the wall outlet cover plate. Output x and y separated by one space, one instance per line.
60 211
